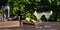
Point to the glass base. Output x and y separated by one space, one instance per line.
47 26
38 27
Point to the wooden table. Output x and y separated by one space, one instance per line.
55 26
9 24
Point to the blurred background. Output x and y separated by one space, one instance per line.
25 8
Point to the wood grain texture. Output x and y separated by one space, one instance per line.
9 24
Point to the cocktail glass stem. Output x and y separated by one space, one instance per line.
47 24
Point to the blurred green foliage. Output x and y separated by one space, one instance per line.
27 8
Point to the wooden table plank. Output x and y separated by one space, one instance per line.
9 24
